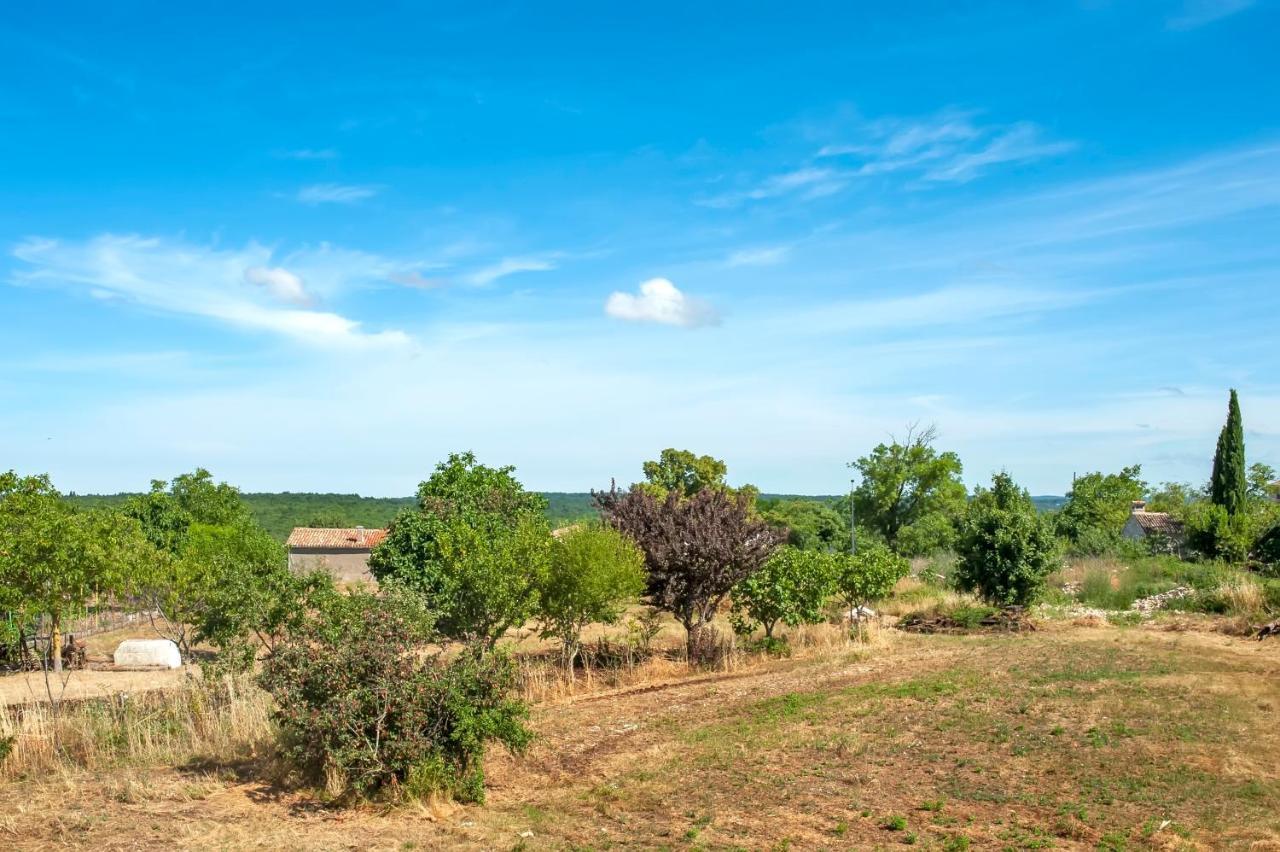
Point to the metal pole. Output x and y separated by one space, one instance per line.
853 529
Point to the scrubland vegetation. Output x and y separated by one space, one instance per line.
695 666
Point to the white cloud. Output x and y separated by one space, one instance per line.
1197 13
1021 143
281 283
310 154
808 183
509 266
202 281
662 302
335 193
950 146
762 256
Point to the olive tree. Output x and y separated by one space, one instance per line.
791 588
696 548
594 573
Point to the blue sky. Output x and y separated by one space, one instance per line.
319 246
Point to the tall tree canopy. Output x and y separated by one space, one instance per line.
696 548
1098 505
810 524
685 473
477 548
910 493
1229 485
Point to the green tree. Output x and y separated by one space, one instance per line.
477 549
910 493
55 559
1097 507
810 524
1263 484
1005 549
594 573
1228 485
684 473
868 576
1173 497
790 588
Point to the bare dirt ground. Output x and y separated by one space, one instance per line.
93 682
1071 737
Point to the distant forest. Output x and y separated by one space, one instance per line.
281 512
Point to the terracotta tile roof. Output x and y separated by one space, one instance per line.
1158 523
331 538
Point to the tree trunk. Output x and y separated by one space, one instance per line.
55 642
693 629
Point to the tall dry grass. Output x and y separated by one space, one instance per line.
223 722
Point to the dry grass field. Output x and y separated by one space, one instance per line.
1070 737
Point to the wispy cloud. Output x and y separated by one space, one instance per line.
807 183
949 147
309 154
1021 143
510 266
335 193
660 301
281 283
1197 13
758 256
237 287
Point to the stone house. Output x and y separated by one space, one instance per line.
344 553
1160 530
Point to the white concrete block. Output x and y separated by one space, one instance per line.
148 652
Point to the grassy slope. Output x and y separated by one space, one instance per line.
1067 738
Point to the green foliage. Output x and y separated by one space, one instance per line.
216 575
594 572
1173 497
1005 549
910 493
790 588
1214 533
1097 507
1228 484
477 548
683 472
810 524
55 558
1263 484
869 575
355 699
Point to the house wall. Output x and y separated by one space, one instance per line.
1132 530
346 566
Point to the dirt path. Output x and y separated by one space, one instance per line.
1062 739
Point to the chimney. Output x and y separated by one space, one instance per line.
1138 506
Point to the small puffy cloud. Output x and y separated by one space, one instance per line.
1197 13
662 302
335 193
281 283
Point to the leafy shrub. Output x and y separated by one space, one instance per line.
476 548
358 708
868 575
790 588
595 571
1005 548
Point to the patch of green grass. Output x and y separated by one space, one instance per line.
896 823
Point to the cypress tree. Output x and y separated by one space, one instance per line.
1228 486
